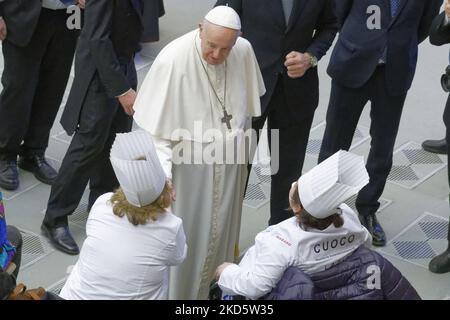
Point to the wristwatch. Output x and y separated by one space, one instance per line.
313 61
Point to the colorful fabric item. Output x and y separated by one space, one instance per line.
7 250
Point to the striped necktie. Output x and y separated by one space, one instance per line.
395 5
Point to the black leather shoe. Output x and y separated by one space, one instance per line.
440 263
9 176
39 166
61 238
373 226
435 146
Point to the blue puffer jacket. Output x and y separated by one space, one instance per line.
353 279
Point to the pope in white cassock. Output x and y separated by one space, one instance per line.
201 92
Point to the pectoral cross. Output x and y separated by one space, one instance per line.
226 119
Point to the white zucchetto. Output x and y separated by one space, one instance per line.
225 17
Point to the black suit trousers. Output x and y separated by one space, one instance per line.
287 163
34 80
344 111
87 159
447 126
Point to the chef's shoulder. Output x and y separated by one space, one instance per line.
284 235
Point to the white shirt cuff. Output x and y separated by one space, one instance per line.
129 90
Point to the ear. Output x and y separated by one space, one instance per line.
297 208
201 28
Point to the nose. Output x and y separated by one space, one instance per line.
216 54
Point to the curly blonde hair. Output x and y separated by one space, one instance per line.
141 215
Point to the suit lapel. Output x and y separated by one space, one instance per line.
399 12
275 9
296 10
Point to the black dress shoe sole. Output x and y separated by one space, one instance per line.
46 233
32 169
434 150
9 186
439 271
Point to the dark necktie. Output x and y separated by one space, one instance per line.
395 5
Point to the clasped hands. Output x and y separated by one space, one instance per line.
297 64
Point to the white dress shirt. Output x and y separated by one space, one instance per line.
121 261
285 245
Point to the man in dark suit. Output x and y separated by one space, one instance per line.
440 35
38 50
375 63
289 37
100 105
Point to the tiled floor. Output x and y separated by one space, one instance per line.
414 208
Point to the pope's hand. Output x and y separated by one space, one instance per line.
220 269
3 29
127 101
81 4
297 64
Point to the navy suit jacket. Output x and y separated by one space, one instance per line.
358 49
21 18
312 28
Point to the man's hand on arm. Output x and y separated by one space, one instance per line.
3 29
297 64
127 101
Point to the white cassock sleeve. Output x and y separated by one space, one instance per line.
164 150
269 258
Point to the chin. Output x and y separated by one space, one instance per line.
214 62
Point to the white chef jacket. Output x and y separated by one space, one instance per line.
121 261
285 245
